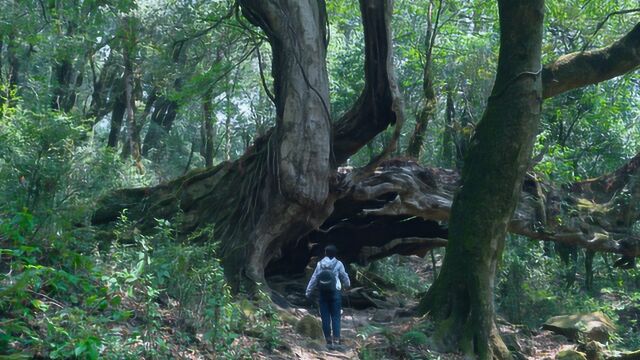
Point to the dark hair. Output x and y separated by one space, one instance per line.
330 251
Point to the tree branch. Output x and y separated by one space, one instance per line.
583 68
586 214
379 103
601 24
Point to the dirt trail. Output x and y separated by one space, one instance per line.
297 346
379 329
360 329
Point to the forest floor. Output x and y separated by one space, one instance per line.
381 332
377 334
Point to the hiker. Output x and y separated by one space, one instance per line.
329 278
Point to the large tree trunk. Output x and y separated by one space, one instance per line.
280 189
2 89
104 88
14 68
461 298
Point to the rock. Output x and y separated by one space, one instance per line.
310 327
593 326
570 355
287 317
383 316
593 350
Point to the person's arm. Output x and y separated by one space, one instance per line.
344 277
312 282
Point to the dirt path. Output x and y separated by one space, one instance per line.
354 322
380 330
360 328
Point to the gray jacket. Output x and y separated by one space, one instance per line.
338 269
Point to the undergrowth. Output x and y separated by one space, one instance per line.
68 290
148 296
534 286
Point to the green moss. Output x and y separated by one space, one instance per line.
570 355
286 317
309 326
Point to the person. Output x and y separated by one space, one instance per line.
329 278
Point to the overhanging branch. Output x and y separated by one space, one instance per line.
584 68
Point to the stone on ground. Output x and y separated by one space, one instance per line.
570 355
593 326
594 350
310 327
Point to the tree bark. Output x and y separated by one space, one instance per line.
280 189
589 67
227 126
2 84
14 68
403 200
461 299
132 138
448 133
162 118
207 130
105 87
64 79
379 103
117 116
428 103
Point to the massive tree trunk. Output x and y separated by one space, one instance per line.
132 131
461 299
285 185
14 68
2 84
105 88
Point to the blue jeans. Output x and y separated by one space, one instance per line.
330 305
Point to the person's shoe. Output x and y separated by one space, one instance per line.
337 341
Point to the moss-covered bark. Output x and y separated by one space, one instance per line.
582 68
461 299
